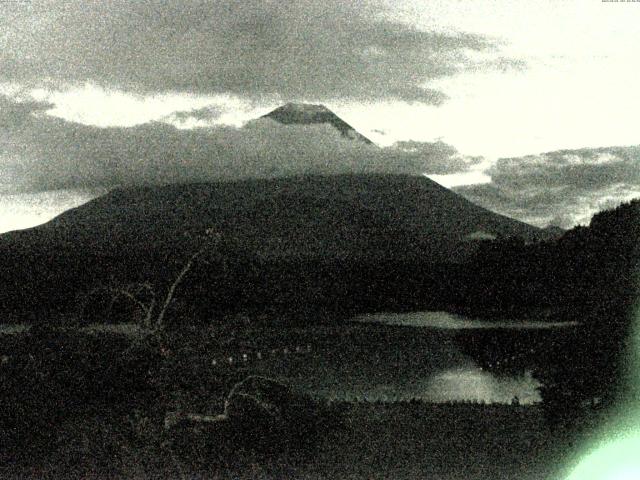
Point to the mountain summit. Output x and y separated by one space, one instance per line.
309 114
306 243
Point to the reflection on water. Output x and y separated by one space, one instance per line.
449 321
469 384
12 328
386 363
474 384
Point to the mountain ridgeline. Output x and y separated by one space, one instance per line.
306 114
346 242
314 245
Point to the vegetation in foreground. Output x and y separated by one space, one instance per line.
96 405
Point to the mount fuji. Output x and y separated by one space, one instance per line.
320 230
309 114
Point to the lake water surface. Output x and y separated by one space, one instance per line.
409 356
450 321
388 357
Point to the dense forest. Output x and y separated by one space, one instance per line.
590 276
585 275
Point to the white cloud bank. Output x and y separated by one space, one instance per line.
563 187
40 153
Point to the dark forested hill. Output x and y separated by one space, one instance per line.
343 215
304 225
591 276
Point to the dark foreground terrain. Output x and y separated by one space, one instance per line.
95 405
384 441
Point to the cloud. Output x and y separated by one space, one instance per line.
443 158
28 209
560 188
205 113
39 152
253 49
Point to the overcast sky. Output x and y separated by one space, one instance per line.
527 108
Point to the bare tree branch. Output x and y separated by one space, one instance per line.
167 301
134 291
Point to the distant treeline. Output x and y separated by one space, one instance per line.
587 273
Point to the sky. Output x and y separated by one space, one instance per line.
526 108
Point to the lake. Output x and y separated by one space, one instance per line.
387 357
450 321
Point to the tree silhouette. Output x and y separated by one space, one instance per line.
145 297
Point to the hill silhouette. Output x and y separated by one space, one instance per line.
348 242
304 225
341 215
